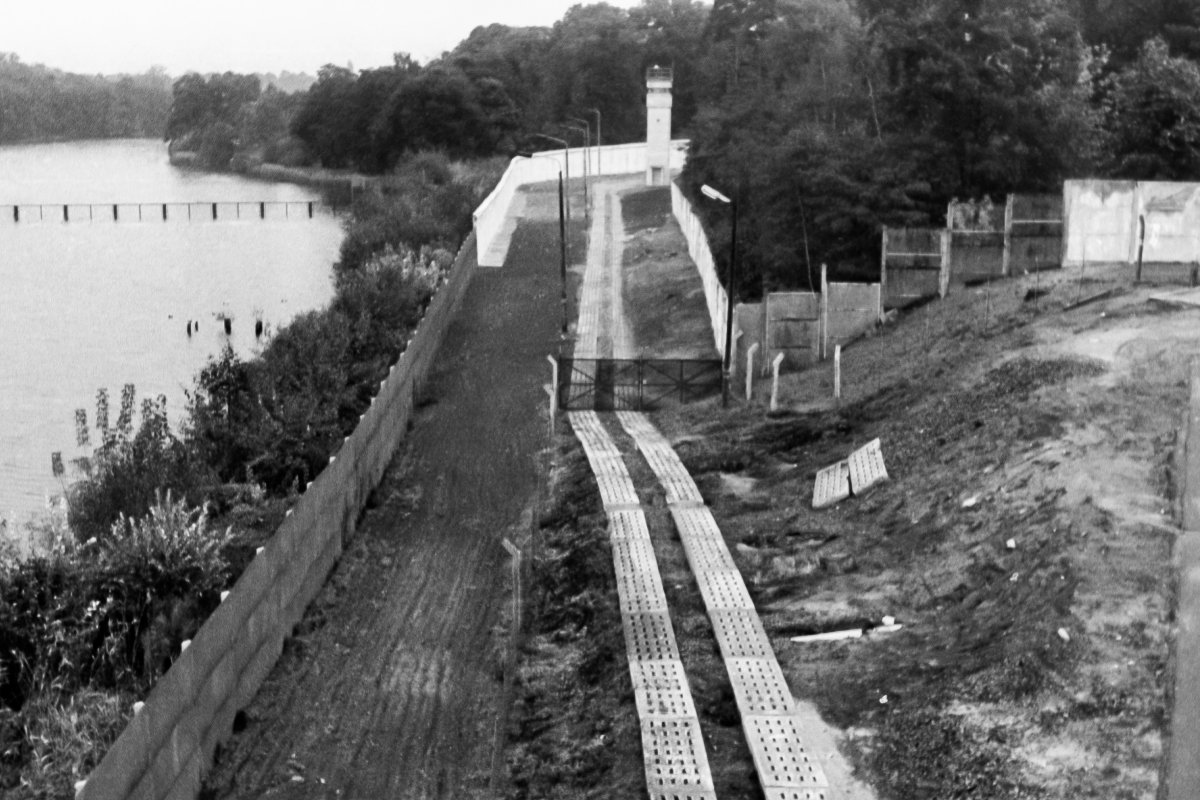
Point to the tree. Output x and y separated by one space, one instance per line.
1154 114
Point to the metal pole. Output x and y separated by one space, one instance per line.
599 140
729 306
562 239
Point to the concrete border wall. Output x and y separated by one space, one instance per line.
697 241
492 225
1100 222
848 311
915 265
793 327
167 747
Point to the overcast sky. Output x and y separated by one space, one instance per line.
108 36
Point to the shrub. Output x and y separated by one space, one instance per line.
129 466
108 614
65 739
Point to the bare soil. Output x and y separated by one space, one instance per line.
664 299
1024 542
393 685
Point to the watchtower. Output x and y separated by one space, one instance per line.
658 126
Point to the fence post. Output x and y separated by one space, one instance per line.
837 372
737 335
1006 258
824 322
775 381
750 370
944 273
883 269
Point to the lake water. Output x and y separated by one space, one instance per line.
90 304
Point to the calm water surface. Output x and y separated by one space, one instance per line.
85 305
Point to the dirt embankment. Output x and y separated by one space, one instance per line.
392 686
1024 543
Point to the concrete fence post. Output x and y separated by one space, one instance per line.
1006 259
837 372
824 323
944 273
775 381
737 335
750 370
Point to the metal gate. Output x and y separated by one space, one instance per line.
612 384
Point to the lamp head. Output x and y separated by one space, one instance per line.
713 194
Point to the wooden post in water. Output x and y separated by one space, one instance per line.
164 212
214 210
116 213
310 209
16 213
66 215
262 210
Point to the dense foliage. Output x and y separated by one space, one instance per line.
42 104
826 119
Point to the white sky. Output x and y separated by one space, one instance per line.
108 36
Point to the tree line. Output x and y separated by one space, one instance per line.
38 103
827 119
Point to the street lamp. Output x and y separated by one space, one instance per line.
599 141
586 130
713 194
566 165
562 235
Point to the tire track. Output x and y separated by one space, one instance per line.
393 688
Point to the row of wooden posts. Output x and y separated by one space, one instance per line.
308 205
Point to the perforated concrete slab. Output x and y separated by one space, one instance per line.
629 524
640 427
708 553
648 636
641 592
866 467
740 634
635 556
675 757
759 686
664 700
775 793
616 490
832 485
724 589
591 433
779 754
695 522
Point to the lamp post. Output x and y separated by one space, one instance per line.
713 194
586 130
599 140
562 236
566 166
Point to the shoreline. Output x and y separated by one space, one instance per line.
341 186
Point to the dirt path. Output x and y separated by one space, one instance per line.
393 689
